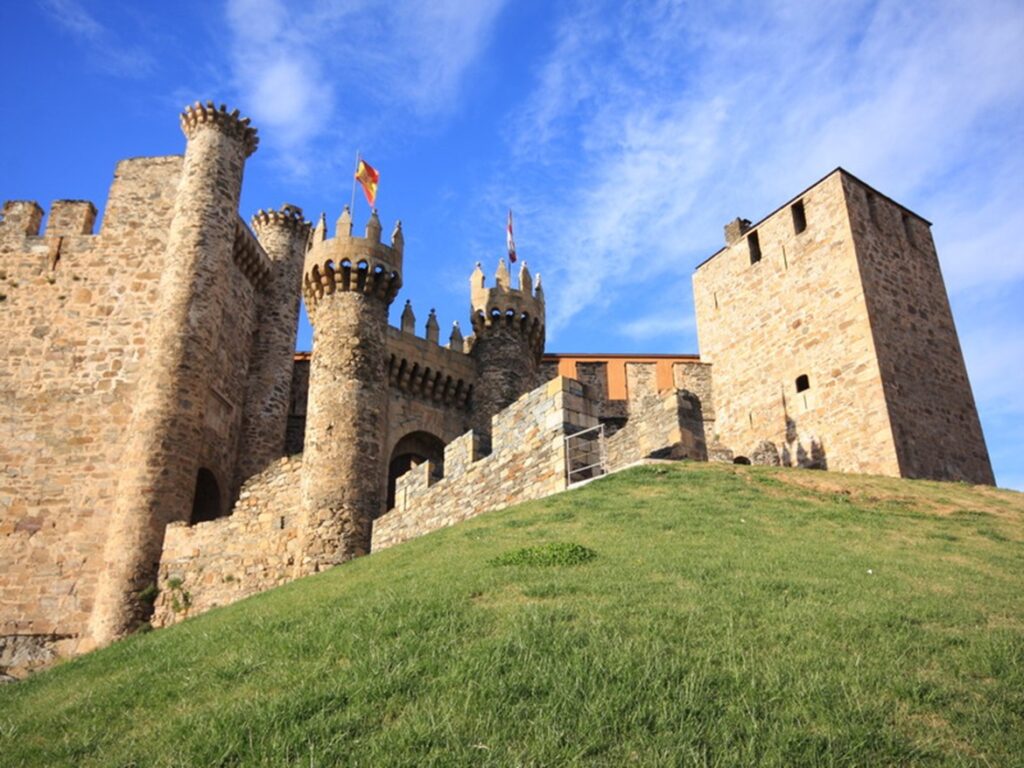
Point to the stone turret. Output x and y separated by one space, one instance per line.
508 324
349 283
159 465
284 235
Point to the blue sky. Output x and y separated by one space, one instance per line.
624 135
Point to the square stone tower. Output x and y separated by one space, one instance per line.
830 335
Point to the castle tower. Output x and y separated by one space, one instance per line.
159 464
508 324
830 335
284 235
349 283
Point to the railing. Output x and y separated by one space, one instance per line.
585 455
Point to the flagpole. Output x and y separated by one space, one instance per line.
352 204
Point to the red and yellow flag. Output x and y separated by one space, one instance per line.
368 179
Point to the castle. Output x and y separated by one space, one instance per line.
165 450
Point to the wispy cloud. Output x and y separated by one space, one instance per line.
109 53
890 90
665 322
662 122
303 71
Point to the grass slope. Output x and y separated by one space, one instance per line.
732 616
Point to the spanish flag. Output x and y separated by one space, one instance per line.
368 178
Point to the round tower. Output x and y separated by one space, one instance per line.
159 463
348 283
284 236
508 326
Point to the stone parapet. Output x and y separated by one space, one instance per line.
347 263
504 307
422 368
231 124
249 256
670 426
222 561
527 461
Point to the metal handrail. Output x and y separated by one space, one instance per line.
601 465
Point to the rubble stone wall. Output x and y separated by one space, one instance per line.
527 461
74 308
935 422
221 561
671 426
798 310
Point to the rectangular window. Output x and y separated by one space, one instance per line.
754 245
873 210
908 229
799 217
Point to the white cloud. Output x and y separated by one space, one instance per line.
681 122
339 64
671 322
107 51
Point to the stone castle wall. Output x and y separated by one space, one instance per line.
221 561
75 312
934 419
798 311
87 320
527 461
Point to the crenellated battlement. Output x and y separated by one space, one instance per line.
21 219
347 263
250 257
423 368
503 306
289 217
231 123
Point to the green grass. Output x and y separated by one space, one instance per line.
731 616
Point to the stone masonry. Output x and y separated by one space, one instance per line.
829 334
165 451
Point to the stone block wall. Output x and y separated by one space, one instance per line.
789 305
830 335
527 461
934 419
221 561
670 426
74 307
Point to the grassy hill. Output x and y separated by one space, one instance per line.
731 616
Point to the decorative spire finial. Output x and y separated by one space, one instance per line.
408 319
373 227
344 225
397 238
525 282
455 340
502 278
320 232
476 280
433 331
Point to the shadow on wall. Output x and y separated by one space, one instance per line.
807 451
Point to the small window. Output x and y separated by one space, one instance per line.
802 383
908 229
754 245
799 217
873 210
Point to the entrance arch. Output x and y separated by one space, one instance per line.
413 449
206 503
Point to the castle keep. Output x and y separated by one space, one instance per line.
165 451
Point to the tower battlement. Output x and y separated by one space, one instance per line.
502 306
231 123
289 217
347 263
